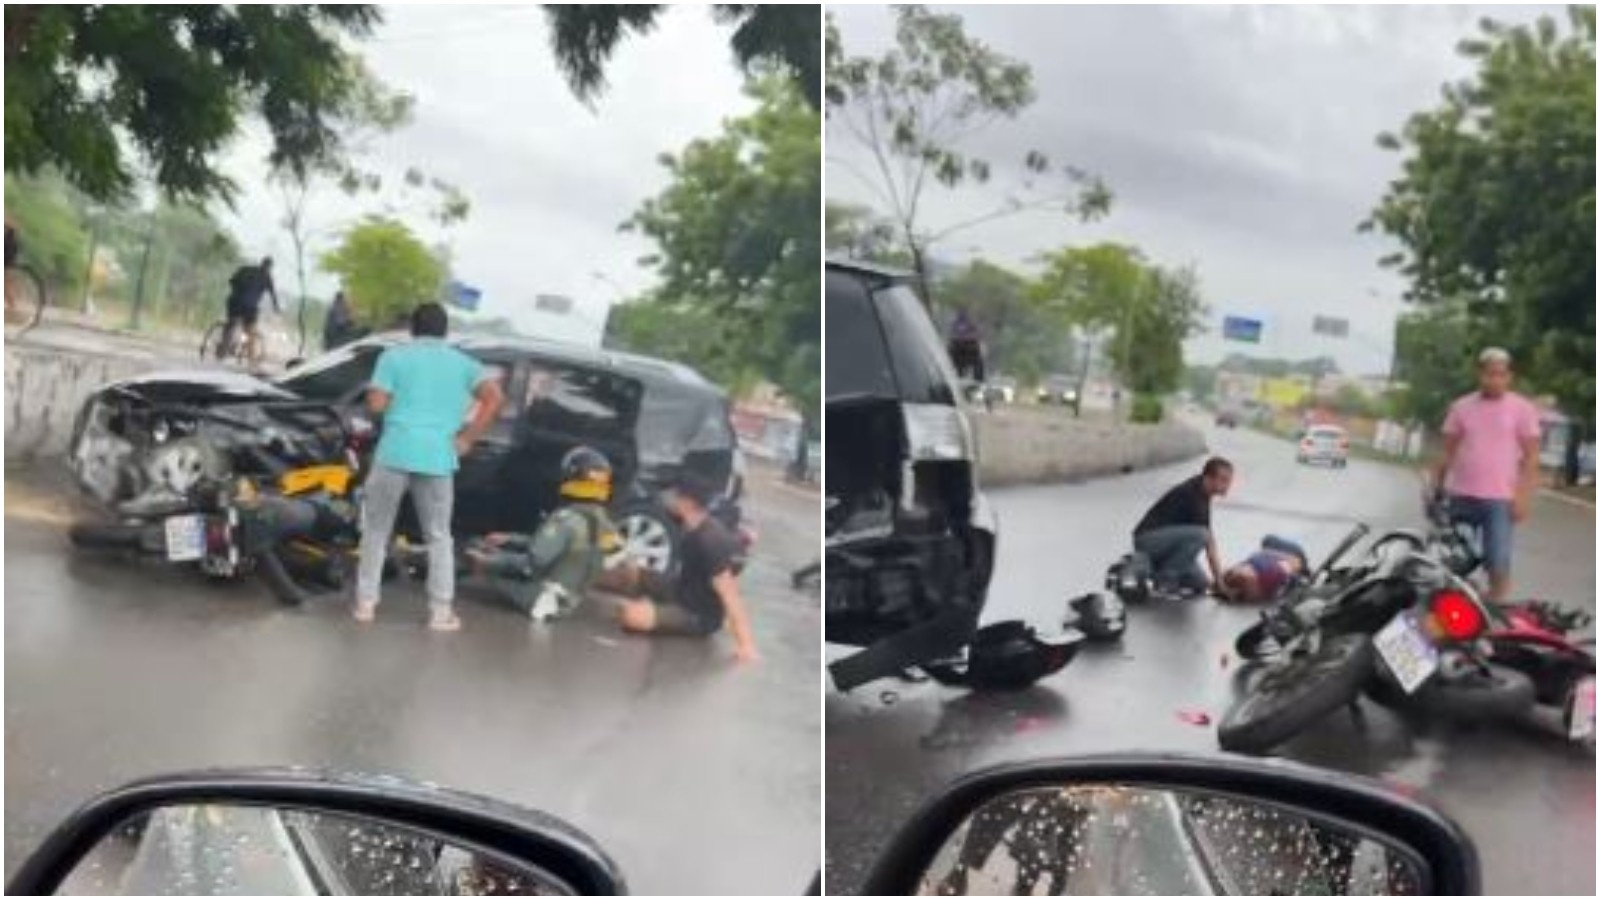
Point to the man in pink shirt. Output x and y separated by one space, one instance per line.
1491 462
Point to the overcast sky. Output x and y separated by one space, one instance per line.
1239 139
549 178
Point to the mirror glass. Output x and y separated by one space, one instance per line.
231 850
1126 839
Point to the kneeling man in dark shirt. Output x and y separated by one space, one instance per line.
1178 527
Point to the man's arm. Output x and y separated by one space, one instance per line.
489 399
1528 479
380 391
1446 460
378 400
727 587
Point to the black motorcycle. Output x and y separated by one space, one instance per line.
1402 622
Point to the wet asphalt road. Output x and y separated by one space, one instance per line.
1526 797
696 775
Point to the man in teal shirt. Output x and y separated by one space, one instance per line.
424 390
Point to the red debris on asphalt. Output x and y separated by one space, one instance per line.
1194 717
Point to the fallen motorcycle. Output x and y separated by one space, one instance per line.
1501 660
299 532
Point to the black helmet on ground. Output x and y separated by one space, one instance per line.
1011 655
1100 616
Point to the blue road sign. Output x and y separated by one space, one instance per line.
1239 328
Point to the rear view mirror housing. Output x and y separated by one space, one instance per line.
1436 850
525 842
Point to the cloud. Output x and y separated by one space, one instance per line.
1236 138
549 178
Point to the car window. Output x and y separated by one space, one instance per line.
575 401
857 362
921 366
334 376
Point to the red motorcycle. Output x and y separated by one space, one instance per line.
1537 639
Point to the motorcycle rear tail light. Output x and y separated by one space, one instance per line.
216 537
1456 615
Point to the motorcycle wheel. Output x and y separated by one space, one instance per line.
1496 692
1286 698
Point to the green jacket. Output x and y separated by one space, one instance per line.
569 549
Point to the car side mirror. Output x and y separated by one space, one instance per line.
1174 825
298 832
293 364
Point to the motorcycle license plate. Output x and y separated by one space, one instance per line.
186 538
1406 651
1582 725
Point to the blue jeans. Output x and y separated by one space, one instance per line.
1174 552
1492 520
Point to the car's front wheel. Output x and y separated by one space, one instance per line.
649 536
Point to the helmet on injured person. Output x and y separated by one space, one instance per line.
586 475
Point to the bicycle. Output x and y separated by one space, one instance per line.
25 295
237 349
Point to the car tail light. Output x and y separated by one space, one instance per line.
1455 615
1344 443
216 537
1306 443
937 432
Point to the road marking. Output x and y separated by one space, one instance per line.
1566 498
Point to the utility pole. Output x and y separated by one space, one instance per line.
144 265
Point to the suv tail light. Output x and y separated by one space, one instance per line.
937 432
1455 615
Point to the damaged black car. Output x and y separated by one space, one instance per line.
141 442
910 539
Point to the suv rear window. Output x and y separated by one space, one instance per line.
883 344
857 360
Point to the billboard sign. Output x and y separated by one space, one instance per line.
1331 326
1239 328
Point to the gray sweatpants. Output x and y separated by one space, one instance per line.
434 497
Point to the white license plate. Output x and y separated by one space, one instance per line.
1582 724
1406 651
186 538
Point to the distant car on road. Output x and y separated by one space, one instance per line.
1324 444
1003 389
1059 390
1227 418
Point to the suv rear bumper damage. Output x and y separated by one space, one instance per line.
905 601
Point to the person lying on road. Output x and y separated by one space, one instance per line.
1178 527
1264 575
546 574
706 592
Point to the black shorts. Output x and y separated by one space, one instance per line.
245 314
672 615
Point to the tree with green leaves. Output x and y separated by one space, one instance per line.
738 239
765 37
1144 310
1434 360
386 270
1495 210
370 110
858 232
914 108
89 88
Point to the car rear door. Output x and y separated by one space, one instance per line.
480 506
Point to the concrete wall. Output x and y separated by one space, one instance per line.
45 386
1027 448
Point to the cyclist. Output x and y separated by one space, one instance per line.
245 290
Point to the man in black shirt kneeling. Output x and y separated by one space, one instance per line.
1178 527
